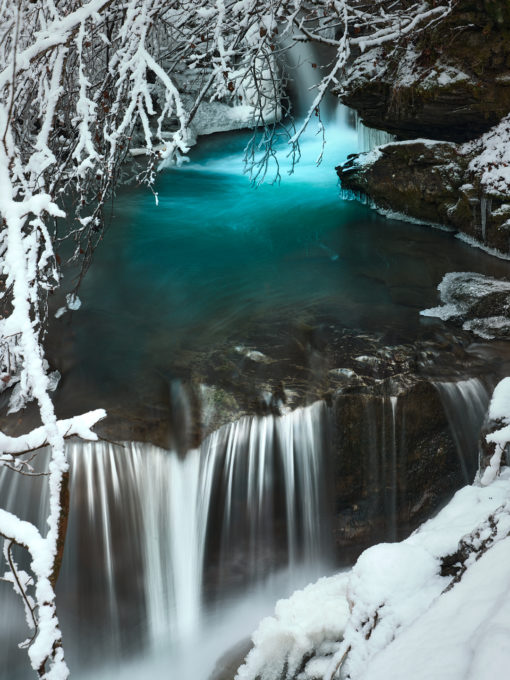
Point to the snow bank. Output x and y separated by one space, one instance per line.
464 635
393 585
401 612
499 411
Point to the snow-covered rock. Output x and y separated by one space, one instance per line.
433 606
480 303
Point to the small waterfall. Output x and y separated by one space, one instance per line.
369 138
154 536
465 403
379 426
273 468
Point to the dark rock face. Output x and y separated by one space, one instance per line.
418 179
450 83
386 457
429 182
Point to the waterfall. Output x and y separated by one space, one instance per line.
154 535
369 138
485 210
465 403
379 426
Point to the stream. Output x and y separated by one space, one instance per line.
174 556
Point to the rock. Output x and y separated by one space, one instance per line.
227 665
452 82
430 182
384 464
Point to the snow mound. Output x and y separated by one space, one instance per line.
499 412
308 624
465 635
400 599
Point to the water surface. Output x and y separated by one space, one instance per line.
216 257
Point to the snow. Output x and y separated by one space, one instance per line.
492 160
399 617
310 622
499 412
499 406
463 636
389 587
36 439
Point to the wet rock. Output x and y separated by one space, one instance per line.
227 665
419 179
395 464
450 83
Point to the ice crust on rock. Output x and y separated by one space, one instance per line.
460 292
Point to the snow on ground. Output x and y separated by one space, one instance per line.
499 411
398 615
464 635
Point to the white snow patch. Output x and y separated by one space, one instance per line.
465 635
492 160
311 621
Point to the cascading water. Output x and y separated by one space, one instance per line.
393 469
369 138
379 434
465 403
143 519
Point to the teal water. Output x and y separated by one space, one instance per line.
217 257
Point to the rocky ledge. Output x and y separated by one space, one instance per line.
432 182
451 82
